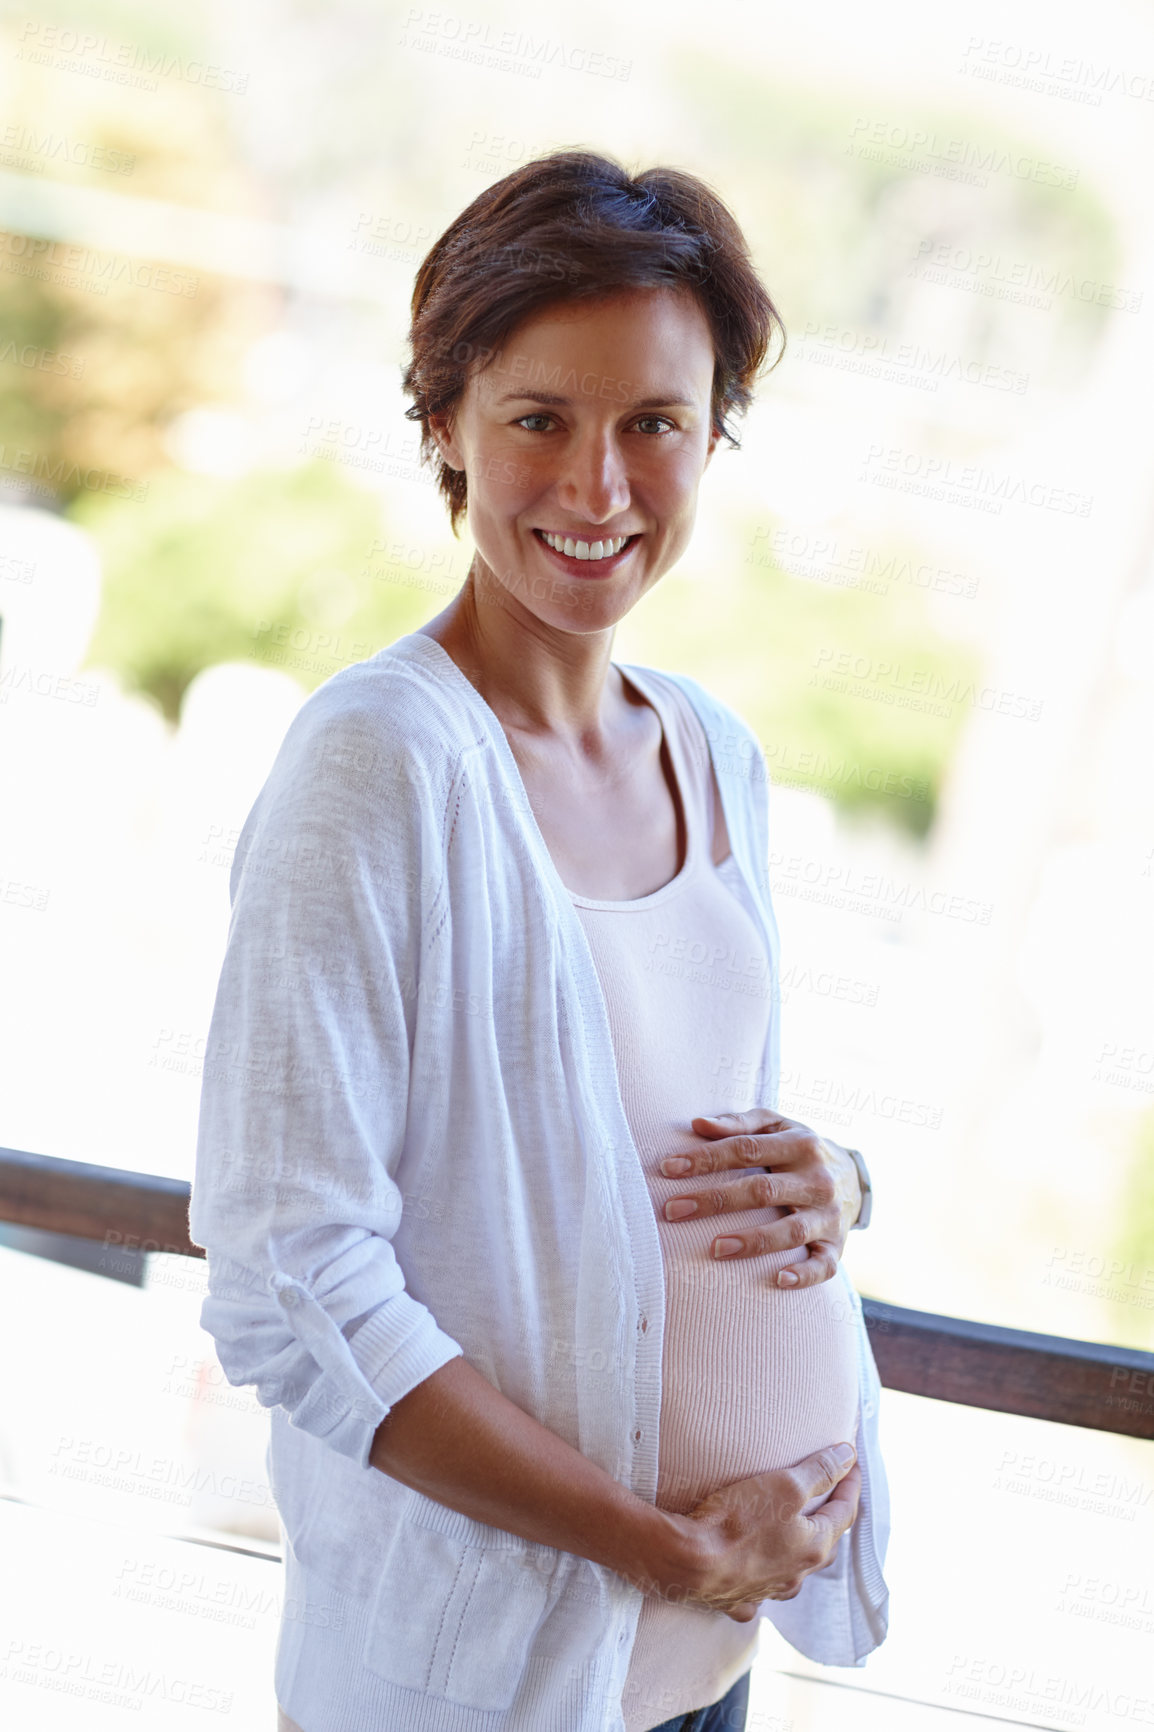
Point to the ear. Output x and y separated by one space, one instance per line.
441 427
714 437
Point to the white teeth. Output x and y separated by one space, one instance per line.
585 549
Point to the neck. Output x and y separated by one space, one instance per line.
535 678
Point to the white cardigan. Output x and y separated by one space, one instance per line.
412 1145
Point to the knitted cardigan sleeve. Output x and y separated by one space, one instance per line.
305 1087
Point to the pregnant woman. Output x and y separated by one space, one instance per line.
566 1377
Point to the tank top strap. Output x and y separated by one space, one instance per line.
692 761
690 768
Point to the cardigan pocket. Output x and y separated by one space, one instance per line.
455 1619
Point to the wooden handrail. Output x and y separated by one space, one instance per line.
1088 1383
1084 1383
128 1211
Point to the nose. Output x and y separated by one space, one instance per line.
593 484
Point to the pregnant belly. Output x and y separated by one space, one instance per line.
754 1377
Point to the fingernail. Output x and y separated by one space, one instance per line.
726 1247
680 1208
844 1451
787 1278
674 1168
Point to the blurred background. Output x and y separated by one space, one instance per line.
926 581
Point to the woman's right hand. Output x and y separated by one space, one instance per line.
753 1541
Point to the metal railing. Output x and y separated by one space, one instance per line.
1083 1383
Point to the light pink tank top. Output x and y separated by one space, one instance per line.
753 1377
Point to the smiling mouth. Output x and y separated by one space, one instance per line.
573 548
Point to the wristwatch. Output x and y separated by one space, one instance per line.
867 1195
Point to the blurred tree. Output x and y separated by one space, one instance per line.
101 350
1132 1292
851 691
271 567
844 200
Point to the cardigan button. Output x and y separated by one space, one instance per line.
288 1298
637 1435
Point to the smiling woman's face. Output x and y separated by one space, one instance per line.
590 430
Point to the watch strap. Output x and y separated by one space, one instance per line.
867 1195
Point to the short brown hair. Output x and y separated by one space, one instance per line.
569 226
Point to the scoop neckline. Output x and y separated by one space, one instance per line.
672 739
670 735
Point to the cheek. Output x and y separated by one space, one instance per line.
500 487
675 495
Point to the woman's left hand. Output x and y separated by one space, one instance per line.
813 1178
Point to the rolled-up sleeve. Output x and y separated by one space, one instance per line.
305 1090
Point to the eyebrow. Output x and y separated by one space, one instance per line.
555 402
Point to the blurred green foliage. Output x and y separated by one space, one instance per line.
276 567
101 351
841 685
285 567
839 191
1132 1291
